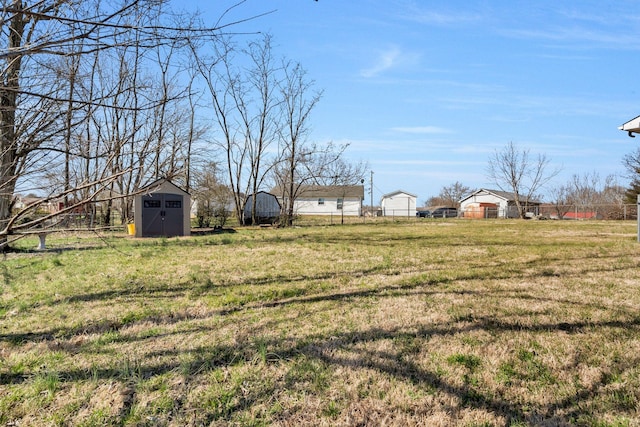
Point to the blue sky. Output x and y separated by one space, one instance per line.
426 91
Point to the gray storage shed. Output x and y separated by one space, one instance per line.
267 208
162 209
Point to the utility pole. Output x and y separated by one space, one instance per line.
371 194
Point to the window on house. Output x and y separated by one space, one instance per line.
339 206
321 201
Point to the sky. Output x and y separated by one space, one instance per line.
427 91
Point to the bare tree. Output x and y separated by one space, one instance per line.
590 193
54 113
212 195
631 163
255 106
452 194
297 105
513 170
257 103
561 199
585 189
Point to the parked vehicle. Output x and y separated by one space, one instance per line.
423 214
444 213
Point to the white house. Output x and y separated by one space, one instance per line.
398 204
267 208
485 203
327 200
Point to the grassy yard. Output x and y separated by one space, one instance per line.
434 322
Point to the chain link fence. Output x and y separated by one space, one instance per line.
557 212
619 212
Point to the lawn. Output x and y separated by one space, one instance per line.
432 322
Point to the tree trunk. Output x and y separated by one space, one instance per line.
8 104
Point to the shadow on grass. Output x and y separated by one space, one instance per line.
343 349
336 349
529 269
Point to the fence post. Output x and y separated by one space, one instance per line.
638 216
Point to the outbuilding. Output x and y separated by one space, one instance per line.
162 209
398 204
267 208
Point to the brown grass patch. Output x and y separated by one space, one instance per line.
473 324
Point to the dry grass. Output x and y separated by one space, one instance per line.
419 323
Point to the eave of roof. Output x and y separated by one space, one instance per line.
632 126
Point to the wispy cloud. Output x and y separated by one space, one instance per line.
423 130
575 35
385 61
442 19
430 16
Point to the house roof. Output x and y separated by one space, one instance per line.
632 126
393 193
505 195
326 191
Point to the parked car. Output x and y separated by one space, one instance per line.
423 214
444 213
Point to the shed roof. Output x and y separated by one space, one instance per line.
162 184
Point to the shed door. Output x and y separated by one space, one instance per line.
173 217
162 215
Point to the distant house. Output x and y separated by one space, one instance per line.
21 202
327 200
267 208
398 204
484 203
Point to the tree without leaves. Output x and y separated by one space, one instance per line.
452 194
212 196
631 163
42 105
590 193
292 170
561 199
245 102
513 170
256 106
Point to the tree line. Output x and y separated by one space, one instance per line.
98 98
514 170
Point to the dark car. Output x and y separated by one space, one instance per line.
423 214
444 213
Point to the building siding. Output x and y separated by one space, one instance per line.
400 204
310 206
